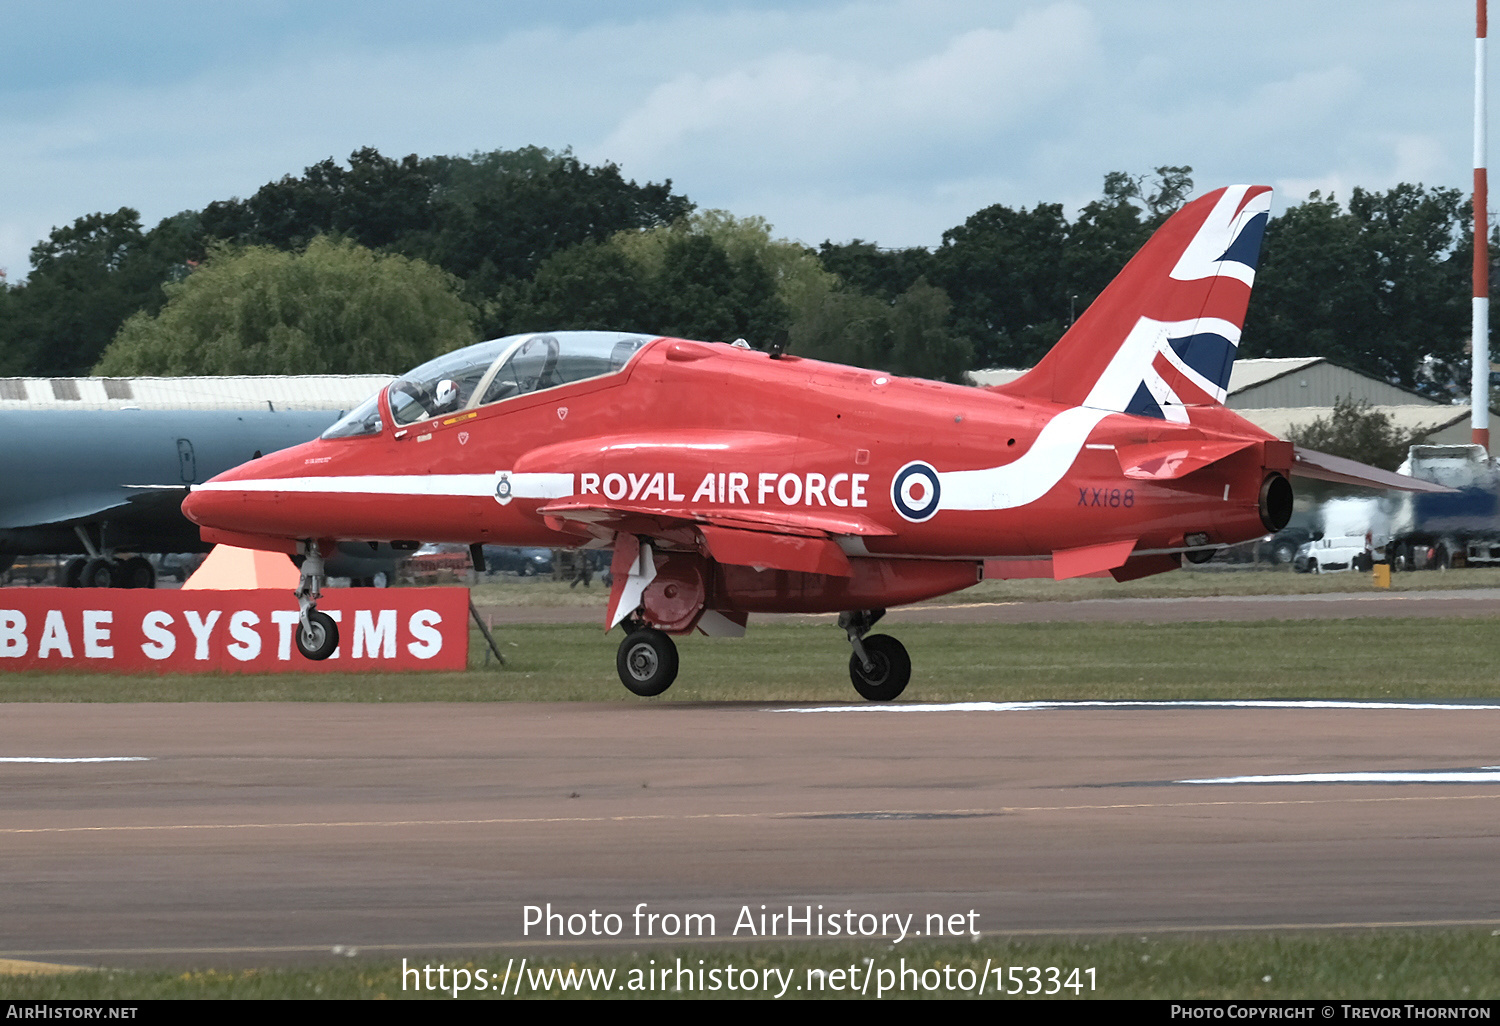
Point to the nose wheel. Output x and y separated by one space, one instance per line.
317 634
647 662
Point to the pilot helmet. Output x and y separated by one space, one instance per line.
446 394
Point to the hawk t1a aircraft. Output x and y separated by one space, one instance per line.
730 481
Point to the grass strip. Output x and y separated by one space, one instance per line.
1390 964
1190 582
791 662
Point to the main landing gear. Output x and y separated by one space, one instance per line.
317 634
100 572
101 569
647 660
879 667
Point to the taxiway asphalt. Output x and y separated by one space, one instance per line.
257 834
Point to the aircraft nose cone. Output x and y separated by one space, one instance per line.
200 507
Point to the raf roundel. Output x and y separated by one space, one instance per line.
915 491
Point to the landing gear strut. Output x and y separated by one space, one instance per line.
317 634
101 569
647 661
879 667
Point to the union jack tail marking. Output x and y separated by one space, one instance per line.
1163 336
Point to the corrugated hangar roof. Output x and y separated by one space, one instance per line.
1250 374
1247 373
1244 374
1423 421
273 391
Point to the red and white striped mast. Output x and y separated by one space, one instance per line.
1479 395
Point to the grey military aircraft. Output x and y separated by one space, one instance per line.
108 484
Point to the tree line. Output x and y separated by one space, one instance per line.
376 263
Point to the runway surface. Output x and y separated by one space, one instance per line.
1445 604
261 834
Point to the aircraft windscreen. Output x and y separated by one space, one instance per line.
445 384
507 367
364 419
547 361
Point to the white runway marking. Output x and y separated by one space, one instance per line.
99 758
1217 704
1482 775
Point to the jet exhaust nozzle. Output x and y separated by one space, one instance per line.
1275 502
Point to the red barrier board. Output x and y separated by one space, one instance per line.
122 631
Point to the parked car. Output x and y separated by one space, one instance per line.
1326 555
1280 549
179 566
511 559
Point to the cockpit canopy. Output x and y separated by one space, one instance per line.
491 372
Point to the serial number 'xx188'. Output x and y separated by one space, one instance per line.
1111 497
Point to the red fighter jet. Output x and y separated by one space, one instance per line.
730 481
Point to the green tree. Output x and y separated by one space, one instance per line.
501 214
865 267
1159 197
843 326
1003 269
489 218
704 291
1018 278
1356 432
908 335
335 308
794 270
85 278
1377 287
673 282
10 353
592 285
921 345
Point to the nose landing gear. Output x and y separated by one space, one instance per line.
317 634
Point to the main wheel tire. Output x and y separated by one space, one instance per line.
319 638
98 573
136 572
72 572
647 662
890 673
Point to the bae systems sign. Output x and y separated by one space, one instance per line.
237 631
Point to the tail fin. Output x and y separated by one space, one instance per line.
1163 336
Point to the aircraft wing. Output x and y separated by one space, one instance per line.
84 507
1323 467
801 541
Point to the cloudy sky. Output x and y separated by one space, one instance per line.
887 120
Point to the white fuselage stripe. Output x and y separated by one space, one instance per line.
1031 476
522 486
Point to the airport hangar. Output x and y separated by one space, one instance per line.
1285 393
